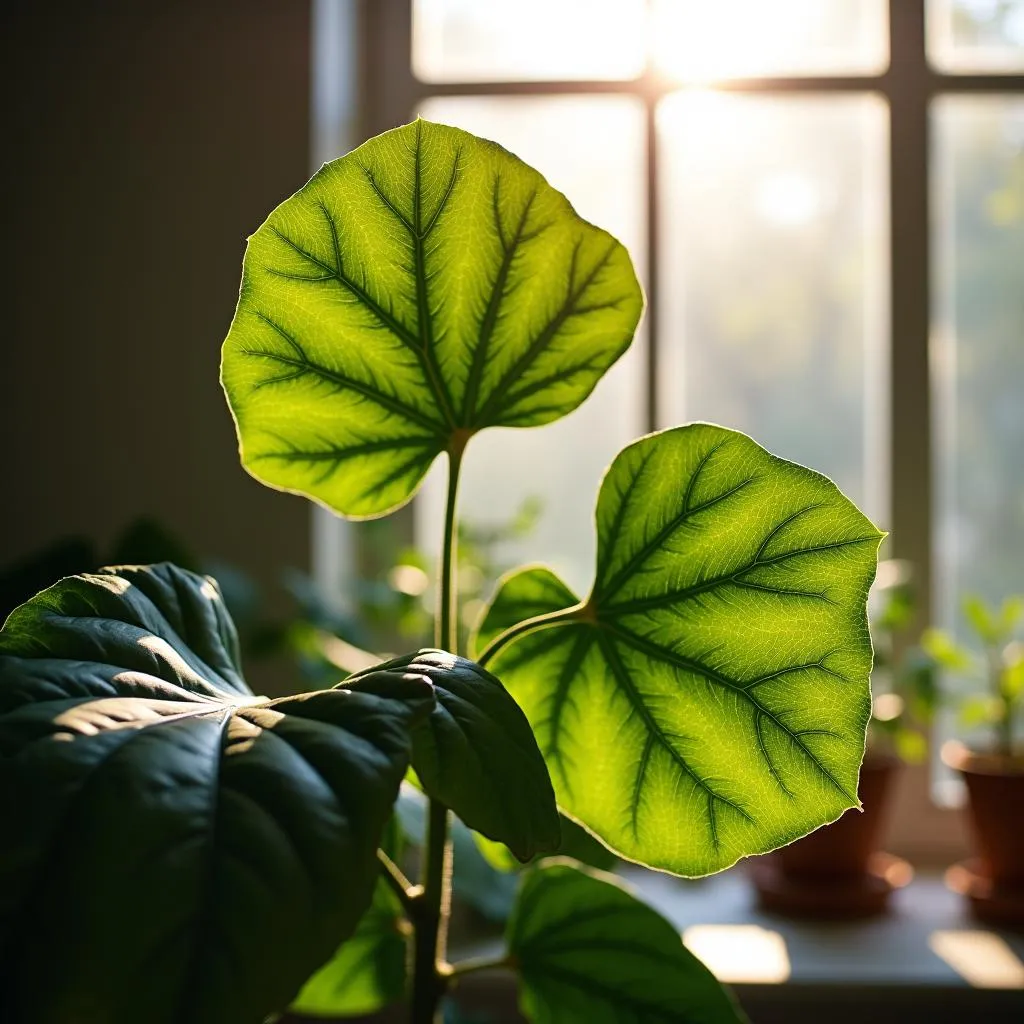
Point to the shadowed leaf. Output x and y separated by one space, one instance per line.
477 755
587 950
182 849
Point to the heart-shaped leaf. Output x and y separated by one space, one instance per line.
587 950
425 286
181 849
710 698
477 754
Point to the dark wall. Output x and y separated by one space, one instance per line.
142 142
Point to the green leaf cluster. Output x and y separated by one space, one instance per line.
999 633
707 700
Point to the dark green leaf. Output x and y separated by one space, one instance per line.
710 698
179 849
587 950
425 286
477 754
576 842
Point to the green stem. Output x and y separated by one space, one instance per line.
406 892
446 622
484 963
433 906
577 613
430 919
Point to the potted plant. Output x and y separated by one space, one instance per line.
839 871
182 849
993 771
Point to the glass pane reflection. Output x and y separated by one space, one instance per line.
698 41
976 35
978 349
474 41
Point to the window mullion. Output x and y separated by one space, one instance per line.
911 454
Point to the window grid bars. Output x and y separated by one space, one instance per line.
908 85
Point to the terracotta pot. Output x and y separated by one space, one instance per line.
995 786
993 880
837 871
844 848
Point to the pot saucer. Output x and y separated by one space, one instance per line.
996 904
830 897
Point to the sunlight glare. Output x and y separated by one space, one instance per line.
698 42
468 40
788 199
981 958
740 952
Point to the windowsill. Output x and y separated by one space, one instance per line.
879 968
890 949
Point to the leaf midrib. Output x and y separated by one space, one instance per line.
489 320
497 401
303 363
654 542
626 684
634 605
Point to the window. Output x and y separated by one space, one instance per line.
825 199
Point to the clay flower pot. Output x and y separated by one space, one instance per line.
837 871
993 881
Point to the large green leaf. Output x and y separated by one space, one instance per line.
425 286
476 754
710 698
175 848
587 950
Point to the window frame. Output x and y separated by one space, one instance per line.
388 93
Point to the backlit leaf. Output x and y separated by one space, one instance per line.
710 698
425 286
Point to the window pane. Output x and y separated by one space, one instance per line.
591 148
774 277
976 35
978 349
496 40
694 40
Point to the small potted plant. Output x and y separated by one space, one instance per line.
839 870
993 771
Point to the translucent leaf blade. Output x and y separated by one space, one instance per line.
710 699
427 283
